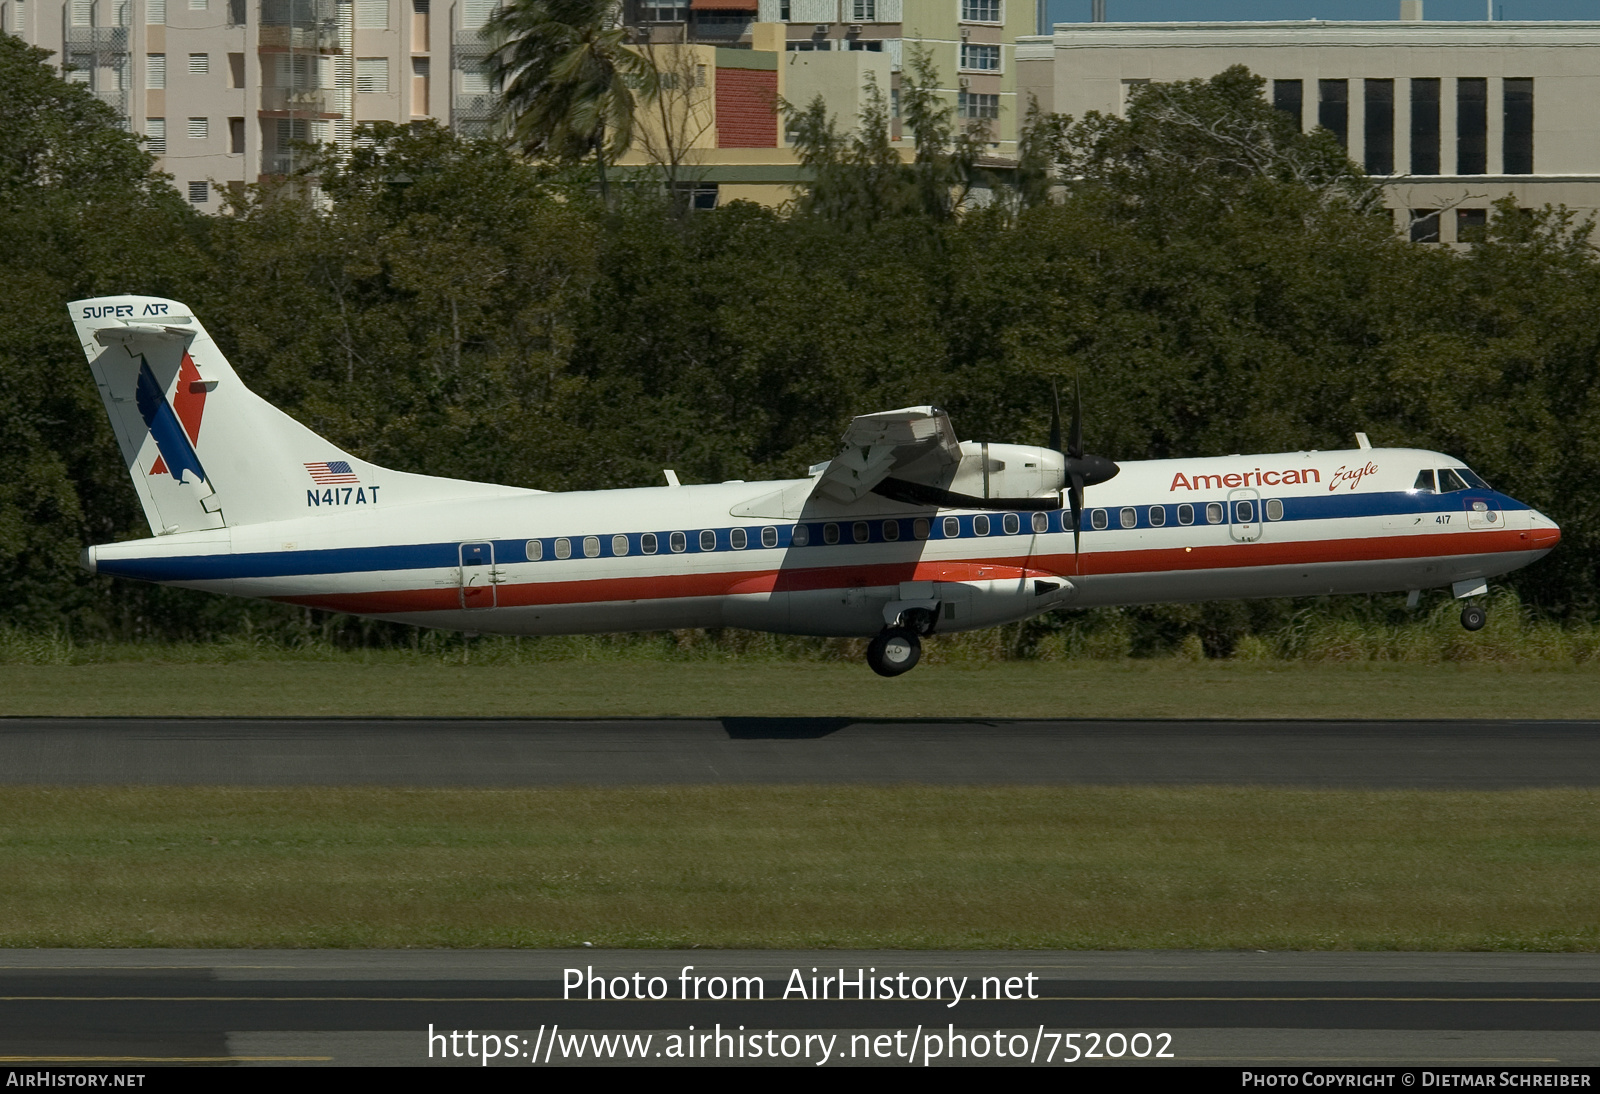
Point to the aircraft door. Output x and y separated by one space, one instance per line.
1484 513
1244 515
478 576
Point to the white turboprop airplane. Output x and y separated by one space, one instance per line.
907 530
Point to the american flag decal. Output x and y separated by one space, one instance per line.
331 473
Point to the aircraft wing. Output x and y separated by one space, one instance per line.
914 442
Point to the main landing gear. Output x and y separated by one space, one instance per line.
896 650
1473 617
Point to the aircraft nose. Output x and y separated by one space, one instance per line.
87 559
1543 533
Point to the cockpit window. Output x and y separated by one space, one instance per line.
1449 480
1473 479
1424 481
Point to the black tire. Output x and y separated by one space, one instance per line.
896 650
920 620
1473 617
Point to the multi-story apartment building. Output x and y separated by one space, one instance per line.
1451 116
971 43
223 89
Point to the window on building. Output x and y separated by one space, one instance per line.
1517 152
708 540
667 11
155 71
1289 96
199 64
1472 125
738 539
1378 132
236 135
155 131
983 107
199 193
863 11
864 46
198 5
198 129
235 70
1471 225
783 11
1425 127
1333 108
372 14
1424 225
82 13
81 69
155 12
236 13
372 75
980 58
982 11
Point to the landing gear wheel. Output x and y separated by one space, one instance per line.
1473 617
894 651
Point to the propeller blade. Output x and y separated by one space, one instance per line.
1075 499
1075 441
1055 418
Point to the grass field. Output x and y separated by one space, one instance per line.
1119 689
797 866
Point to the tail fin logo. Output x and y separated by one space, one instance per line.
175 426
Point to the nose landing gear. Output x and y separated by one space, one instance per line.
896 650
1473 617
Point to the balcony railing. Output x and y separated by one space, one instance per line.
716 27
99 40
468 43
297 100
322 38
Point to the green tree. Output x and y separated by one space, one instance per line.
568 80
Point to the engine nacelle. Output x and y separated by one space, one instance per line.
1008 471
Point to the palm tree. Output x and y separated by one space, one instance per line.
568 82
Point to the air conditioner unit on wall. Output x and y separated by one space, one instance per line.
966 81
855 28
966 32
822 28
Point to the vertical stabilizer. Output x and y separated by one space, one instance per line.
206 452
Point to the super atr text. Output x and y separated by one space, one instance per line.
848 984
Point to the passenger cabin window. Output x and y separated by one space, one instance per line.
801 536
563 548
1011 523
830 533
535 550
769 537
1449 480
1158 516
678 542
1244 512
738 539
952 527
1129 516
1274 509
708 540
1041 522
891 530
647 543
591 546
1098 520
1424 480
1213 512
1185 513
619 545
980 525
921 528
860 531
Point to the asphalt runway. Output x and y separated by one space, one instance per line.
552 752
370 1007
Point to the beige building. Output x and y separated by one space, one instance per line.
1452 115
223 88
